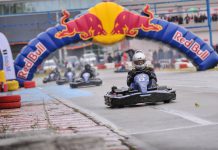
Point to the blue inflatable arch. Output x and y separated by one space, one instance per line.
32 55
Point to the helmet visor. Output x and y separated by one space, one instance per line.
139 62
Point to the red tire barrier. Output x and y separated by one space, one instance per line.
29 84
10 105
117 65
5 88
182 66
101 66
10 98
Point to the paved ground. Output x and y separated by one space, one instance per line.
190 122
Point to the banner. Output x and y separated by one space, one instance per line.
8 63
1 61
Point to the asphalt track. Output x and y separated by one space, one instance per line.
189 123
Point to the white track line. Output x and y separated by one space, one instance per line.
171 129
185 115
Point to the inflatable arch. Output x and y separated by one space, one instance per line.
107 23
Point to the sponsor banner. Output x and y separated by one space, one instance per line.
8 62
30 60
192 45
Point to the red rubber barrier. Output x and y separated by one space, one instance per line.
101 66
10 98
10 105
29 84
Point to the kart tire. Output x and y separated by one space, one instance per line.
10 105
61 82
10 98
98 84
44 81
73 86
167 101
29 84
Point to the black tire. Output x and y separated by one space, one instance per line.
98 84
167 101
44 81
61 82
73 86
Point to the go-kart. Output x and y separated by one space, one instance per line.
51 77
142 90
85 80
121 69
68 77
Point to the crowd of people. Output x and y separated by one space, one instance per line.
118 57
200 18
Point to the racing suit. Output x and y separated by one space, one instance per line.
147 70
90 71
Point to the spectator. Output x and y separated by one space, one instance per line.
200 18
124 57
109 58
160 54
118 57
131 52
187 19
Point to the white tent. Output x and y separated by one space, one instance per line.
8 61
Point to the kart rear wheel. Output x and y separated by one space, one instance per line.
61 81
167 101
44 81
73 86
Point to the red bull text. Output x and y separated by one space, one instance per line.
192 45
32 58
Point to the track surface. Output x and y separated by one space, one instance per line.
191 122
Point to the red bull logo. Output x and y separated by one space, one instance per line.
129 23
87 26
107 23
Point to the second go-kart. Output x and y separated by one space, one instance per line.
121 69
85 81
68 77
51 77
141 91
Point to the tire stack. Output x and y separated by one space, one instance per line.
3 87
10 101
29 84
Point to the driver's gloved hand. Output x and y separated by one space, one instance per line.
113 88
130 89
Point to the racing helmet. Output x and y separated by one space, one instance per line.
87 67
139 61
69 69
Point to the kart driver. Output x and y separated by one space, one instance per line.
55 72
69 70
88 69
139 64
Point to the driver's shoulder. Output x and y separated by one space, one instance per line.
149 69
131 72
